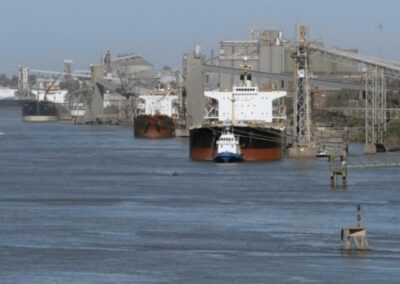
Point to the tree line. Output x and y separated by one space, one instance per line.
6 82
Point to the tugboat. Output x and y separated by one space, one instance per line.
228 149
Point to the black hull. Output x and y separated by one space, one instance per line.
256 143
39 111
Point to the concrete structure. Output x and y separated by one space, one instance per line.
107 61
95 104
129 64
265 53
23 86
68 68
193 75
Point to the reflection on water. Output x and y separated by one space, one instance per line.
91 204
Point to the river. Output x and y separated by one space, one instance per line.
92 204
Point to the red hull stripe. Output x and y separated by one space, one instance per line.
153 132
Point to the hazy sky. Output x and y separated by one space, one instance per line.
42 33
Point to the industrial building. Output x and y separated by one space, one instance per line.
264 52
268 51
130 64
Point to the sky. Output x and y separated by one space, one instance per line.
40 34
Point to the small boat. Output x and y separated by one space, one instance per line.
322 152
228 148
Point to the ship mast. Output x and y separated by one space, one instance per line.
245 78
246 74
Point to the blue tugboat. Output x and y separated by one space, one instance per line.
228 149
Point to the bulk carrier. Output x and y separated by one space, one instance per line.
156 114
252 118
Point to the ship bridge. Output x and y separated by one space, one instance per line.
243 105
246 90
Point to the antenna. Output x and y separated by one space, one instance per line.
359 216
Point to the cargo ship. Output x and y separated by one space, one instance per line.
156 114
252 115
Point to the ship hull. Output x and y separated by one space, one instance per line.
227 157
154 126
39 111
256 143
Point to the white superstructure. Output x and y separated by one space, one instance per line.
246 103
158 103
58 96
227 142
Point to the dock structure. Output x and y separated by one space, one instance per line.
355 237
303 150
338 168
